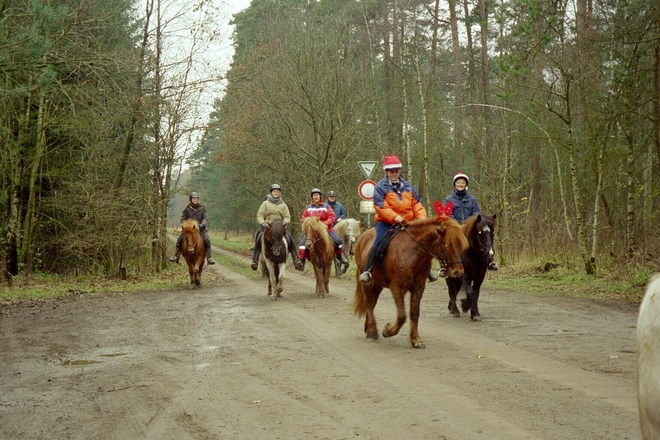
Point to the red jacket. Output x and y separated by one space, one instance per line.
321 210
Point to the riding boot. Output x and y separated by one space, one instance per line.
209 260
432 276
442 273
297 262
255 258
365 276
175 258
340 256
492 265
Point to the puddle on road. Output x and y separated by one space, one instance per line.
79 362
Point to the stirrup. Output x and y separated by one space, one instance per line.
365 277
298 264
174 259
255 264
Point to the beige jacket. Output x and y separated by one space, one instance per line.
271 210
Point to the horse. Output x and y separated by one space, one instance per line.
406 264
480 232
193 250
349 230
321 252
273 257
648 359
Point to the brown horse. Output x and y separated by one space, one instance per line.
193 250
321 252
348 230
406 264
273 257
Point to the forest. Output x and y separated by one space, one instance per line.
552 108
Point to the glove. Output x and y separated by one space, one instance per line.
264 225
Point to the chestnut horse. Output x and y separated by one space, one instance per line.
480 232
349 230
321 251
273 257
407 263
193 250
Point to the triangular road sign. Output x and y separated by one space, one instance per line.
368 167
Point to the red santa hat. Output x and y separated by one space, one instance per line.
391 162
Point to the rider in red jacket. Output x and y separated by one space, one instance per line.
319 208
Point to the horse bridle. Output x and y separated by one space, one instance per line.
443 261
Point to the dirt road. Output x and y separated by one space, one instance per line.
229 363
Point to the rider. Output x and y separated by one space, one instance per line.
465 205
319 208
340 211
395 201
273 208
196 211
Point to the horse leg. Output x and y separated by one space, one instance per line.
415 300
279 279
393 329
371 298
453 287
474 297
318 274
327 271
337 264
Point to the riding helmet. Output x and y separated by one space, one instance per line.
461 176
192 194
275 186
315 190
331 194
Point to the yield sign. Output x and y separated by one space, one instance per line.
368 167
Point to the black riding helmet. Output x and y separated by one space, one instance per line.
331 194
275 186
192 194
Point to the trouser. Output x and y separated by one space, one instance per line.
257 245
381 230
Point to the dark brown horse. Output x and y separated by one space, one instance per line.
407 263
480 232
273 257
321 251
193 250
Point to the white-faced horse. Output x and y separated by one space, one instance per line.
648 361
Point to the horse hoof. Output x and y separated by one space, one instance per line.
372 335
418 345
455 314
476 318
320 295
273 298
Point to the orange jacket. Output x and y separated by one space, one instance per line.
402 199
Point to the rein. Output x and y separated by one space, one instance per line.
442 260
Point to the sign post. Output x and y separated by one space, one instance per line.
366 192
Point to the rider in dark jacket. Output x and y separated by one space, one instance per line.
196 211
465 205
340 211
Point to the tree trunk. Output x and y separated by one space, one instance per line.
456 52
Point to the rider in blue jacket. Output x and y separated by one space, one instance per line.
465 205
340 211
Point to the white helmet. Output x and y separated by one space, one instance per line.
461 176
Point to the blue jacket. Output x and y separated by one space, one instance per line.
340 211
463 208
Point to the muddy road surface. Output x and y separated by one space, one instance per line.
226 362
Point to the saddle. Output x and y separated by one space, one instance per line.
382 248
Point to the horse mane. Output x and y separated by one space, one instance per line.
190 225
277 229
452 229
341 227
316 225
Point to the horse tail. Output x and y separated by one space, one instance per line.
359 297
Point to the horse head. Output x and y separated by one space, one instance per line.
274 236
191 230
452 244
314 231
480 231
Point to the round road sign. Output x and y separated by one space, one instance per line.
366 189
